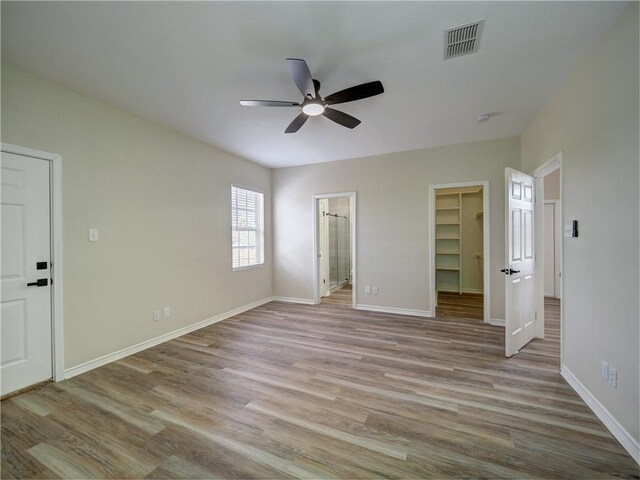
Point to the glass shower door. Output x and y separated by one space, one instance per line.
339 253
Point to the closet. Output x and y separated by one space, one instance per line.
458 240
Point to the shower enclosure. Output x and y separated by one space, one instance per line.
339 251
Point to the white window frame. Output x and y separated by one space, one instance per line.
259 228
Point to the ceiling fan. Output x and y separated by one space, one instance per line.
313 104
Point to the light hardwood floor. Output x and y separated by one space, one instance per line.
455 305
340 297
288 390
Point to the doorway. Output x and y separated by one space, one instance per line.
460 250
31 307
334 252
549 247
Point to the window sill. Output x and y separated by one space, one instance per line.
248 267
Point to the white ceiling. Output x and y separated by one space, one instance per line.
185 65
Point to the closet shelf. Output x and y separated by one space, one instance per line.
447 268
447 253
447 223
447 238
447 208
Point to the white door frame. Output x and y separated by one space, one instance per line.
486 270
539 173
55 184
352 221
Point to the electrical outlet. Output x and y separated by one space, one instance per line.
604 370
93 235
166 312
613 377
367 290
156 315
375 290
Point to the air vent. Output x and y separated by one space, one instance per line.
462 40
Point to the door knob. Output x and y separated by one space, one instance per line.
509 271
41 282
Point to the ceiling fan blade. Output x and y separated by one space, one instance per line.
341 118
301 76
297 123
355 93
267 103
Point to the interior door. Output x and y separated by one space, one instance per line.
25 306
549 250
519 282
323 245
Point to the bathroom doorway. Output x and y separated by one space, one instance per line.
334 249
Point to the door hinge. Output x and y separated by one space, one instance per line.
324 281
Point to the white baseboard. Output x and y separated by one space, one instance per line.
398 311
472 290
125 352
499 322
304 301
629 443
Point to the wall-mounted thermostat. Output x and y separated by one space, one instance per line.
571 229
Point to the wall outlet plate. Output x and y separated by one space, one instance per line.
604 370
166 313
375 290
156 315
613 377
367 290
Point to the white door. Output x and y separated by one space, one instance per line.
323 250
25 308
549 250
519 283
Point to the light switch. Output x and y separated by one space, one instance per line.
93 234
571 229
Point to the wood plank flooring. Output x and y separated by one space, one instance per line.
343 296
295 391
455 305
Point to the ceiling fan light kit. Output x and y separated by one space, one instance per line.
313 104
313 109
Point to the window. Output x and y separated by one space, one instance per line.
247 227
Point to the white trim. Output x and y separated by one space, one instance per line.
498 322
486 226
395 310
125 352
353 222
57 311
472 290
550 166
629 443
303 301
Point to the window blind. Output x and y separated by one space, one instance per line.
247 227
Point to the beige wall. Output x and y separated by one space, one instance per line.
161 203
392 218
339 206
593 120
552 186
